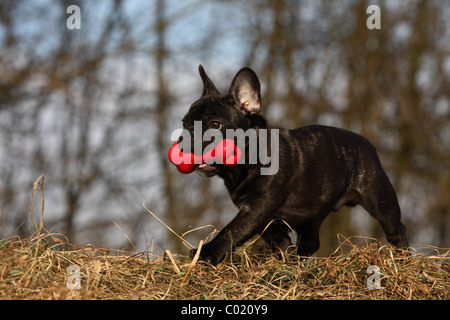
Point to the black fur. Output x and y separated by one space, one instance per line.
320 170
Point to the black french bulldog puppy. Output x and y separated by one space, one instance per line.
320 169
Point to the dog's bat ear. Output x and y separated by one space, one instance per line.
246 90
208 86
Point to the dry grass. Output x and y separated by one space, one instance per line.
36 268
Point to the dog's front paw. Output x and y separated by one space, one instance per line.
209 255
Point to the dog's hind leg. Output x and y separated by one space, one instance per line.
381 203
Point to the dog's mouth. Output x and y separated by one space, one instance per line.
205 169
206 166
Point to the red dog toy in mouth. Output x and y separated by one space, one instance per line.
226 152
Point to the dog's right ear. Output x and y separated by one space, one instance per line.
208 86
246 90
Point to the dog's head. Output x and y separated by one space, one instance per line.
215 112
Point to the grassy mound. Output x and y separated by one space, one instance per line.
46 267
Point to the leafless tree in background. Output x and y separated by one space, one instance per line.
93 109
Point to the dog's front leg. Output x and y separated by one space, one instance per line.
245 225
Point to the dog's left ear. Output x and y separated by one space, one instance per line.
208 86
246 90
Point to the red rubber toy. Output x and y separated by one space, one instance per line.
226 152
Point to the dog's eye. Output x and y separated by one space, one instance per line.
215 125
